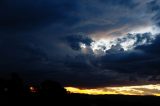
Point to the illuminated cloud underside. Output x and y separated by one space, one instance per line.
125 90
127 42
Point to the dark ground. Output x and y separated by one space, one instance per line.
15 92
80 100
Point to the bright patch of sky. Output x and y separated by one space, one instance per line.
143 36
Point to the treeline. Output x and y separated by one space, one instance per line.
16 86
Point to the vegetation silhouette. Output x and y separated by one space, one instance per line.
52 88
16 92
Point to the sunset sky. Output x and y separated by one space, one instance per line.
141 90
89 44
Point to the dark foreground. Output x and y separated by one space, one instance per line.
16 92
80 100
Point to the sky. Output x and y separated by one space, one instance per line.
81 43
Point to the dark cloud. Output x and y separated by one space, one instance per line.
80 16
30 57
30 14
153 48
126 67
31 42
144 59
154 7
74 41
126 3
115 49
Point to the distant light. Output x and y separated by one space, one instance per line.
33 89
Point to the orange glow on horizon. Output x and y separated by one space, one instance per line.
124 90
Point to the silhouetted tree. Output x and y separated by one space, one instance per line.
52 88
15 85
3 86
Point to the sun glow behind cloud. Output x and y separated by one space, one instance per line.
124 90
137 37
152 29
126 43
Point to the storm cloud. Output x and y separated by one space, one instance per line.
61 39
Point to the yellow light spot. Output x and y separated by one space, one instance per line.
33 89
